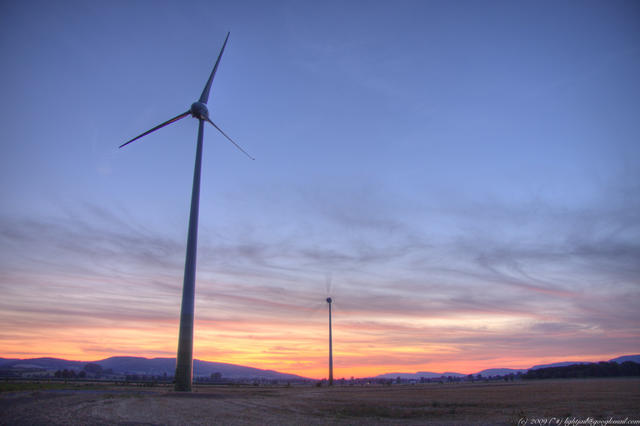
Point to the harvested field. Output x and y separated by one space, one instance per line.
469 403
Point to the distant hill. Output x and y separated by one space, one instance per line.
558 364
418 375
620 359
159 366
447 374
44 363
150 366
499 371
429 375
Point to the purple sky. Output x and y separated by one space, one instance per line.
467 173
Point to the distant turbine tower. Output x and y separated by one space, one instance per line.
199 110
329 301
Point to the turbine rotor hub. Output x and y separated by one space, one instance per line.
199 110
329 300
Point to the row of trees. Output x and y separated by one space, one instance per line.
70 374
600 369
90 370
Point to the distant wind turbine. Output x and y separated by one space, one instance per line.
329 301
199 110
328 281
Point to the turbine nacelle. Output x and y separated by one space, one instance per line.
329 300
199 110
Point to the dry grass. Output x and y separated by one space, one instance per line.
477 403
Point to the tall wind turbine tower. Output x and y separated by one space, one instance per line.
329 301
199 110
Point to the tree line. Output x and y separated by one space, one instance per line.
600 369
90 370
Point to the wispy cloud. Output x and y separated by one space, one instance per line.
523 281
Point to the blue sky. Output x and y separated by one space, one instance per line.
467 173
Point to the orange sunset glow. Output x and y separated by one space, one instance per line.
281 335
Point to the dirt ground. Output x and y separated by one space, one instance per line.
431 404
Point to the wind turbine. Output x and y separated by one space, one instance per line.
328 281
329 301
199 110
